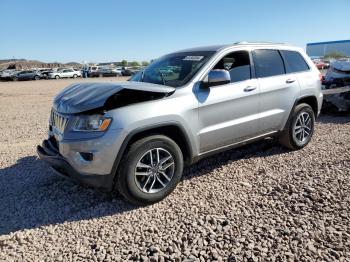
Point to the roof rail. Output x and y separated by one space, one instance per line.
257 43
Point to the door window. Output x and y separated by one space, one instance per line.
237 64
268 63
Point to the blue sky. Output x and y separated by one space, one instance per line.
107 30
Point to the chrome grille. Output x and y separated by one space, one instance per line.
58 121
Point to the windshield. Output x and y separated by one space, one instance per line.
174 69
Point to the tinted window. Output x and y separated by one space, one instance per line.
295 62
268 63
238 65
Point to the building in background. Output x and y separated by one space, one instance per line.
323 49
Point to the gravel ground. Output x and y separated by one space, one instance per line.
259 202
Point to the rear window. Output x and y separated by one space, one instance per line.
268 63
295 62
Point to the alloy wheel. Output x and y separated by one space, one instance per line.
303 127
154 170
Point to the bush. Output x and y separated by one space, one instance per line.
335 55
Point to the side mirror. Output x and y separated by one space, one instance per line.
216 77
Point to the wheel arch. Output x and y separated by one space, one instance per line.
172 130
311 101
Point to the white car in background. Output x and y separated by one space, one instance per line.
7 74
64 73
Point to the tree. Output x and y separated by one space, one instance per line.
134 63
124 63
335 55
145 63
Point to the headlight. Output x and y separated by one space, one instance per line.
92 123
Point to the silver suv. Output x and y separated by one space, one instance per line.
138 135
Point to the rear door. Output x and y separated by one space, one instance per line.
278 89
296 64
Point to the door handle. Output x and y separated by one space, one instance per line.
249 88
289 81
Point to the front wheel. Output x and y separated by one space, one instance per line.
57 77
150 170
300 129
75 76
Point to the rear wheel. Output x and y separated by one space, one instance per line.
150 170
57 77
301 128
75 76
36 77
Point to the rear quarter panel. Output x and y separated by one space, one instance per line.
310 81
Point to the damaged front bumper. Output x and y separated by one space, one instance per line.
89 161
63 168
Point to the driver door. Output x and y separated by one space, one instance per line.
229 113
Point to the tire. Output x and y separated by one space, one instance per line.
75 76
145 189
296 138
14 79
57 77
100 75
36 77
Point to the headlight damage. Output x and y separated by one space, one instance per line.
92 123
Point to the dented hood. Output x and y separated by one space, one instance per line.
82 97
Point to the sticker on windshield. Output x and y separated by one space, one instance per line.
193 58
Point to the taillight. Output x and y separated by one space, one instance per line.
321 77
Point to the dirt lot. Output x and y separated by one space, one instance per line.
260 202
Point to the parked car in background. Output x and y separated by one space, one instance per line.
65 73
27 75
92 70
45 72
326 64
101 72
338 75
320 64
128 72
7 74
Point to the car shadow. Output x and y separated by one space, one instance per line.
32 195
263 148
